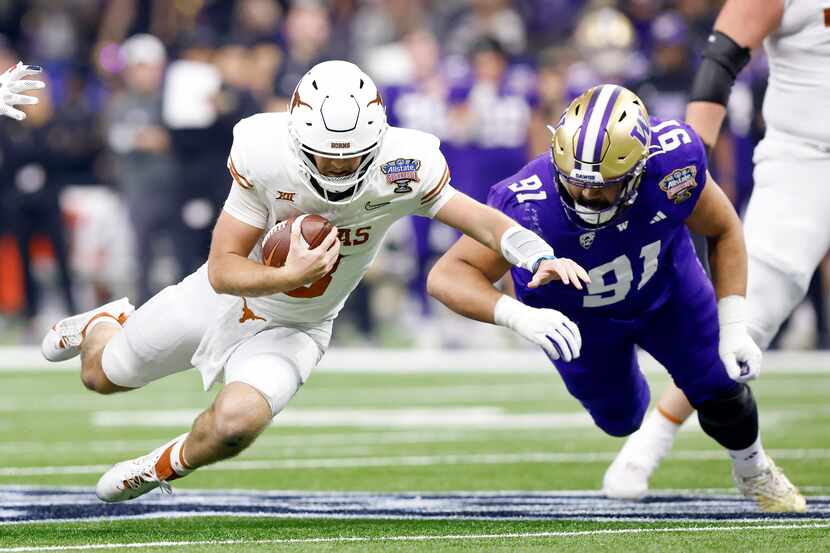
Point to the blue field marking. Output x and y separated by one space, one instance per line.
35 504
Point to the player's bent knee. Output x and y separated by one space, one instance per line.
96 381
731 419
236 423
620 428
618 423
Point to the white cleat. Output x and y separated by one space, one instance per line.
133 478
63 341
771 490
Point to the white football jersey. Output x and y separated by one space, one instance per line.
797 100
411 177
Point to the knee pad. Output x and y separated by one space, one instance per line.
731 420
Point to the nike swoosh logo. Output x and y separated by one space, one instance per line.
371 207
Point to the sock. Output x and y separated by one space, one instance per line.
669 422
171 465
177 459
652 441
99 319
749 461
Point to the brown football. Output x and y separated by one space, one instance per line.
277 241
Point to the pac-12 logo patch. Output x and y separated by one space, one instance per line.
679 183
401 172
586 240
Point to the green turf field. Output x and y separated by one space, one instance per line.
409 439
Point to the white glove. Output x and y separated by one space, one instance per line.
548 328
12 82
739 353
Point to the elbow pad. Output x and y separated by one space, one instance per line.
723 59
524 248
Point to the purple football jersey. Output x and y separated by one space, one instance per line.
634 262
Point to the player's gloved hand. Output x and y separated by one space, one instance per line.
548 328
738 351
559 268
11 83
311 264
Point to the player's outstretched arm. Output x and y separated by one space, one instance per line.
715 218
519 246
231 272
741 26
463 281
12 83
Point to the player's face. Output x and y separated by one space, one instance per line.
337 167
594 198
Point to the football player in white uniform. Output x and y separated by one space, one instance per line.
12 83
263 329
786 220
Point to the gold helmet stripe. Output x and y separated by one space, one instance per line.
595 122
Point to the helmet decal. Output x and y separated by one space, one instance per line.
378 100
601 142
297 101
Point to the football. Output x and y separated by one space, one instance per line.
277 241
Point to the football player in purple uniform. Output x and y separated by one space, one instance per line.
619 195
786 233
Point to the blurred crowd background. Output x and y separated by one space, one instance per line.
112 184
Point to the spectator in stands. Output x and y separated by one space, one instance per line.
666 88
201 143
307 32
496 19
145 171
38 155
492 114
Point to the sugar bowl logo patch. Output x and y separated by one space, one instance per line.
401 172
679 183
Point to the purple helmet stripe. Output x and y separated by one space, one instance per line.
581 144
609 107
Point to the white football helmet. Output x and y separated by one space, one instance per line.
336 111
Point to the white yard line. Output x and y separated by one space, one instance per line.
421 460
476 361
472 416
439 417
282 441
423 538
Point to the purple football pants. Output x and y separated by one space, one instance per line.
682 334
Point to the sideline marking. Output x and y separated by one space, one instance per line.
35 505
421 538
